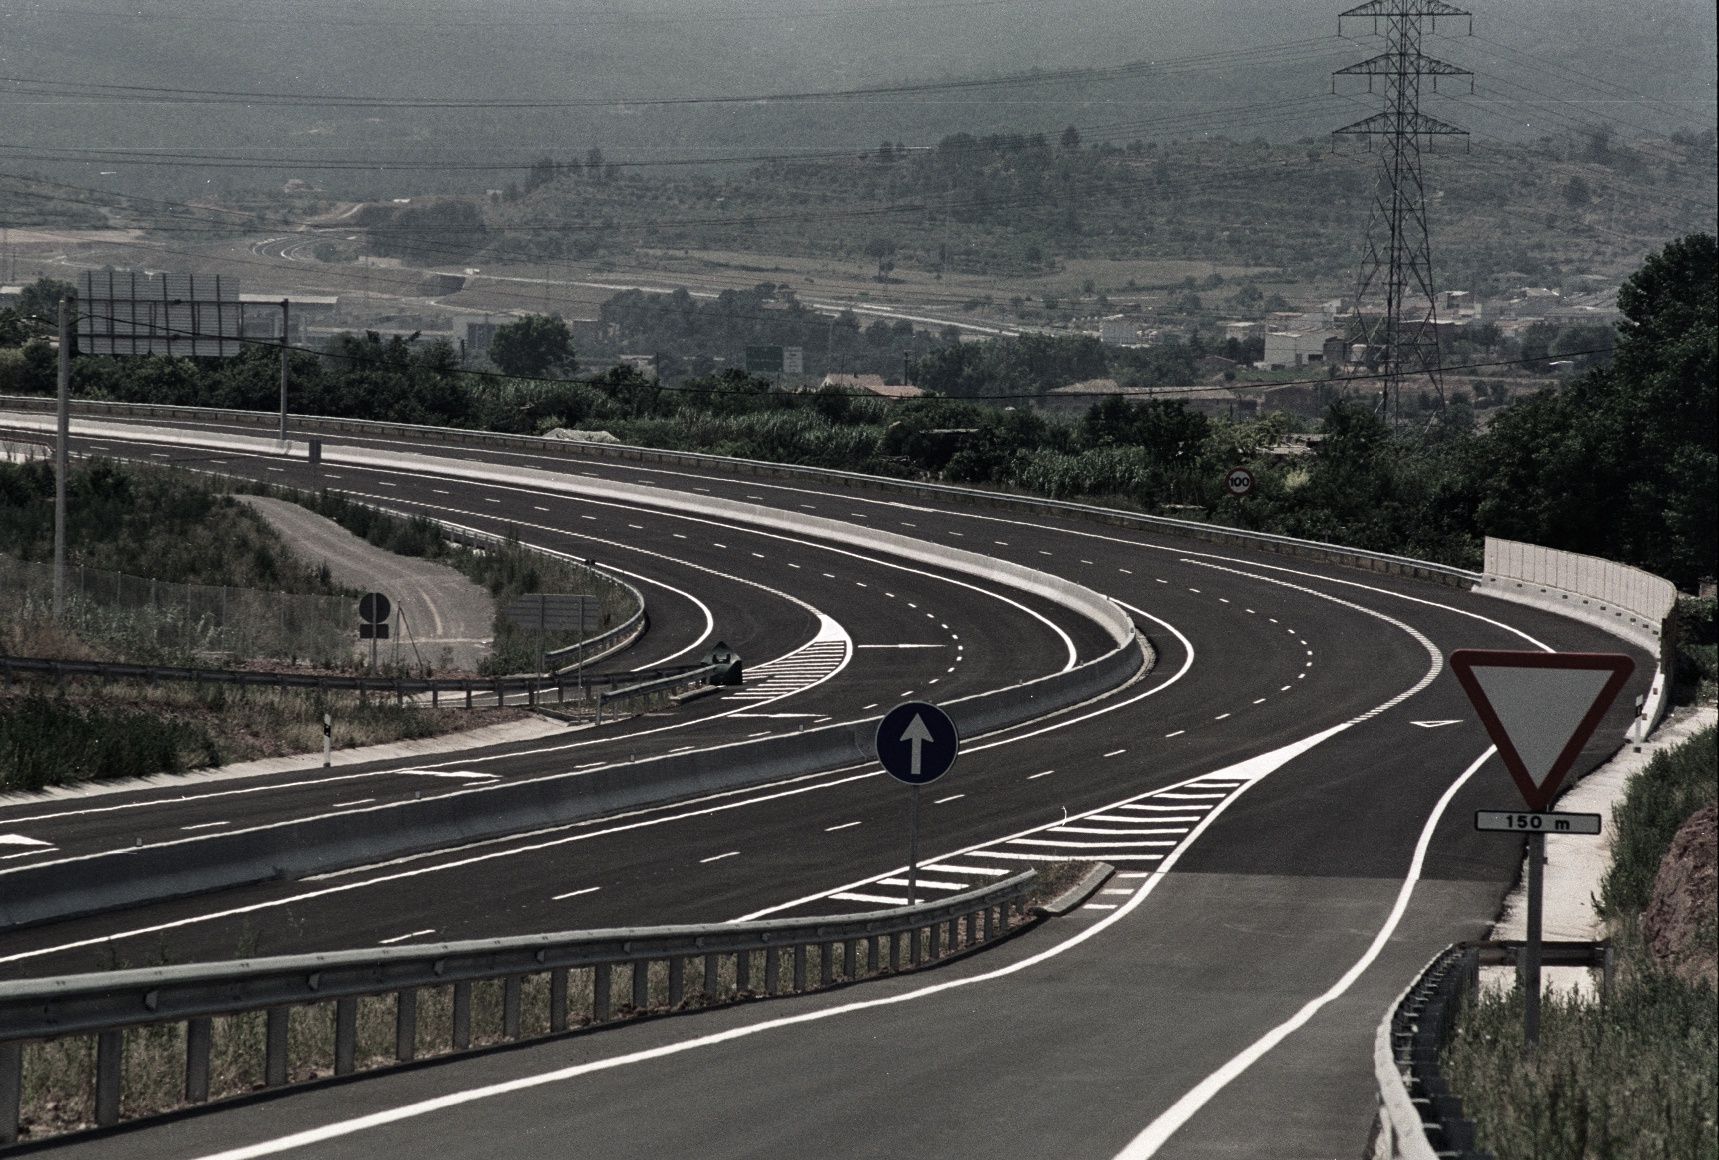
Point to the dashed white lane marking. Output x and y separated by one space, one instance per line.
206 826
843 826
952 797
575 893
1195 591
539 507
349 805
1177 733
679 535
1125 571
1220 716
637 527
404 937
1286 688
1116 752
1046 773
1261 701
439 490
719 857
490 499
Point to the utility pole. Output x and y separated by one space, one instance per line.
285 354
63 424
1401 340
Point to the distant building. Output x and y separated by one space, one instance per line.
873 385
1242 331
1295 348
1122 330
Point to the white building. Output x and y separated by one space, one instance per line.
1122 330
1294 348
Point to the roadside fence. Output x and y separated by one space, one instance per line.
158 618
170 1036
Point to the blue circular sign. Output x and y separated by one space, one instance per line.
917 742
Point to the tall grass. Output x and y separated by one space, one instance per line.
49 741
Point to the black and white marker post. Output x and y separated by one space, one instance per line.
917 743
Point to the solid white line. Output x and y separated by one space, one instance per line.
1158 1132
720 857
945 868
843 826
880 899
205 825
1116 753
575 893
404 937
344 805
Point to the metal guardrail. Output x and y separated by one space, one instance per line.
1420 1117
110 1005
1269 541
493 690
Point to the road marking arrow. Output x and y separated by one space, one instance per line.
916 735
1436 724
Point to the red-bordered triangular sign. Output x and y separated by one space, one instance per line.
1540 708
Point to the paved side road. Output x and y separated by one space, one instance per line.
449 617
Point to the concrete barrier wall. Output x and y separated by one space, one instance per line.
1625 601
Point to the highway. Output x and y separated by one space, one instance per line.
1288 796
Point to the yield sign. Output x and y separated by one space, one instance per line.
1540 708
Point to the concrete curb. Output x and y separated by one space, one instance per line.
1078 893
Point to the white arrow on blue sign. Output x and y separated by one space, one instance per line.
917 742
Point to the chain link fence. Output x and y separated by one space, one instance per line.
139 619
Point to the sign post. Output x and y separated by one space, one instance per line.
917 743
1539 709
374 609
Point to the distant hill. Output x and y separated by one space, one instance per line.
1245 69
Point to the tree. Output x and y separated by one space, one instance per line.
535 346
1070 139
882 250
1577 193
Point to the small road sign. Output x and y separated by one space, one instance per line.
549 611
1522 822
917 742
374 608
1540 708
1238 481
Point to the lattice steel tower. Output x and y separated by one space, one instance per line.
1401 340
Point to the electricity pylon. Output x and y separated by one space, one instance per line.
1402 339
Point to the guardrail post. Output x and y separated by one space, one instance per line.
468 688
406 1025
677 981
990 930
934 934
558 1000
895 951
600 992
110 1059
11 1090
711 982
850 959
510 993
743 971
275 1047
826 963
800 956
462 1037
641 984
198 1036
772 969
345 1036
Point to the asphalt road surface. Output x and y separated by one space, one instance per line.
1288 796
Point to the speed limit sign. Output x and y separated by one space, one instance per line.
1238 482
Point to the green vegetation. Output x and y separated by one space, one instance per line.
1633 1074
1661 798
50 741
